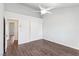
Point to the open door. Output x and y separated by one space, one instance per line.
11 33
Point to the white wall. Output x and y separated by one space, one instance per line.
62 26
36 29
25 27
1 28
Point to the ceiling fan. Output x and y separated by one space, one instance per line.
44 11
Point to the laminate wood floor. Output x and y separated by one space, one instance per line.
41 48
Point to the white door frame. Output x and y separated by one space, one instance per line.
7 31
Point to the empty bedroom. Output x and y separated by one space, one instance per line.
39 29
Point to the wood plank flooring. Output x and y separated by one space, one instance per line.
41 48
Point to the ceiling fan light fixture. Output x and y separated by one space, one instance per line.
44 11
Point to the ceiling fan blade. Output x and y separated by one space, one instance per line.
41 8
50 8
35 11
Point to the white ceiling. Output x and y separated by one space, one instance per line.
46 5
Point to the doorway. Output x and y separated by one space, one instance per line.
11 34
